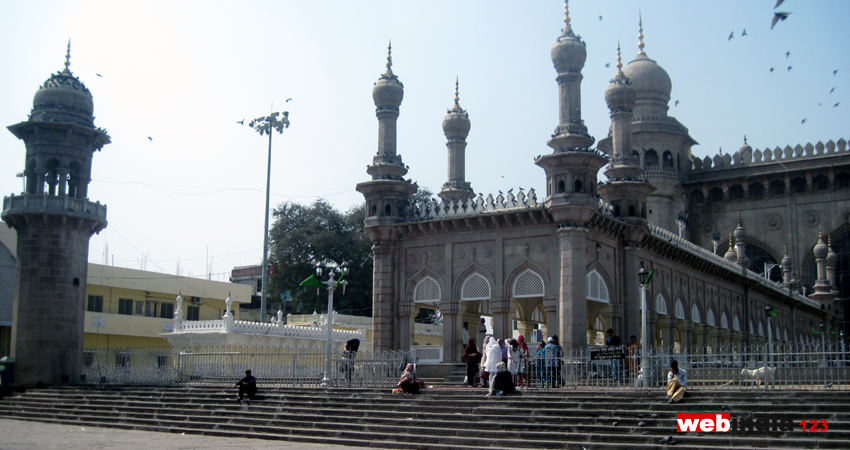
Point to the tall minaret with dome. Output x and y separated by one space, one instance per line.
54 220
456 128
385 195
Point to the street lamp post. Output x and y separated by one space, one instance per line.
768 311
264 125
644 377
331 283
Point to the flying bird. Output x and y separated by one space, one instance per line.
778 2
790 67
834 72
744 33
150 138
787 54
99 75
287 100
607 64
820 104
731 35
832 90
600 17
771 69
836 105
241 122
803 121
777 16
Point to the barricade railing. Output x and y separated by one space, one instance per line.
224 365
775 367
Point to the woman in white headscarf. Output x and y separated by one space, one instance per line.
484 382
493 353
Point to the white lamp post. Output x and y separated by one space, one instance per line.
644 377
768 311
331 283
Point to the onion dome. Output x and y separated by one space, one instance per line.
745 148
620 95
569 52
651 81
456 123
831 257
786 260
821 248
388 91
63 98
730 252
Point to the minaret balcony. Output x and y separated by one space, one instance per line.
57 205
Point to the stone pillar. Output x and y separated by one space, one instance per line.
550 305
686 331
501 310
63 180
405 325
572 307
382 296
40 179
452 325
631 293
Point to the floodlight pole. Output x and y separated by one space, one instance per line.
264 125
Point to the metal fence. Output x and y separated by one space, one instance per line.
224 365
780 367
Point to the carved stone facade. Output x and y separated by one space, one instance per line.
568 263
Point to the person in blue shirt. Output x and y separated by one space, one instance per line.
554 353
677 381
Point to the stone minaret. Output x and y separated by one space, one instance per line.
54 220
786 269
385 196
823 288
741 245
456 128
626 191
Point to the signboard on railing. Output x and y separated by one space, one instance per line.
607 353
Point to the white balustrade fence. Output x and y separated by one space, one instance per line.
268 329
224 365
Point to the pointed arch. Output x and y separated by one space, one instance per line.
736 323
760 328
599 323
531 273
709 317
597 288
475 284
680 309
537 316
696 317
661 304
417 292
724 320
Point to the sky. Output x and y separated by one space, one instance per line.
184 73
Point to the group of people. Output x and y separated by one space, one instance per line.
503 365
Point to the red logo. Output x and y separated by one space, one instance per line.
703 422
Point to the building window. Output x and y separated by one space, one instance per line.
715 195
166 310
122 360
193 313
736 192
842 180
162 361
150 308
95 303
798 185
821 183
697 198
125 306
88 359
140 308
756 190
777 187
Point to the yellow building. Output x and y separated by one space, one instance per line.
130 308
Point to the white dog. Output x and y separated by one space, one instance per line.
757 375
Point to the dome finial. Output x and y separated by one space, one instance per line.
457 96
68 57
820 233
568 30
390 56
745 139
619 58
640 34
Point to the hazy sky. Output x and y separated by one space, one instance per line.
184 72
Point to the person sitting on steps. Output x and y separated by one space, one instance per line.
247 385
503 382
677 381
408 383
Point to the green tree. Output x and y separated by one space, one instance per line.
301 236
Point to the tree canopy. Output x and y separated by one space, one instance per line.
301 236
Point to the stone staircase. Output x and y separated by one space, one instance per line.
440 418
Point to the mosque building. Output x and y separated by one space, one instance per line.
567 261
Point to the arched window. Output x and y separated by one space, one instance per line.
597 290
680 310
75 180
777 187
529 284
798 185
715 194
709 318
427 291
761 329
756 190
842 180
696 197
374 210
562 187
736 323
651 158
660 304
388 210
821 183
736 192
695 317
475 287
668 159
724 321
578 187
631 211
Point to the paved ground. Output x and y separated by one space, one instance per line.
25 435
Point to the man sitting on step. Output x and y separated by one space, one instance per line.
677 381
247 385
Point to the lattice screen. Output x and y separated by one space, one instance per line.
660 305
597 290
529 284
7 285
476 287
680 310
427 291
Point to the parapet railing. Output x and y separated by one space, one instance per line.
768 156
41 202
433 209
267 329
